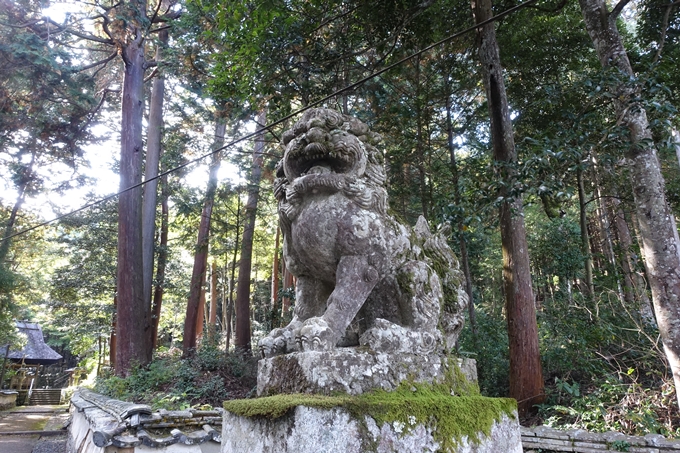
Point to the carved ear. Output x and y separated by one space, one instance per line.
422 229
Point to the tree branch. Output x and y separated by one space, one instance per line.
334 18
557 8
617 10
152 75
97 63
90 37
159 29
664 29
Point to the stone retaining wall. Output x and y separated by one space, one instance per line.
582 441
104 425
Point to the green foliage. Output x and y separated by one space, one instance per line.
82 286
47 104
554 247
209 377
491 353
616 403
619 445
7 326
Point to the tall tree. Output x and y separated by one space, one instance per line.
161 265
201 252
526 378
132 345
242 305
153 154
659 232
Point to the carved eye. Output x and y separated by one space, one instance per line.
334 120
315 122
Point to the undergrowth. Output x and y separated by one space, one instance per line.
603 366
615 404
208 378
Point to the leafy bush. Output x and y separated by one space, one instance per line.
207 378
619 404
491 353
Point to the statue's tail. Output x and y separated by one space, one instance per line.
445 264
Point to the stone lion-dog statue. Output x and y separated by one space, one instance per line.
362 277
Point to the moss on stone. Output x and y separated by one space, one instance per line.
451 418
278 405
406 281
295 376
455 381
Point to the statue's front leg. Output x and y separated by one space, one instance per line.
355 279
310 301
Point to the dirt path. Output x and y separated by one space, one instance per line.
33 429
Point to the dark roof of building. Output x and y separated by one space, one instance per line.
36 350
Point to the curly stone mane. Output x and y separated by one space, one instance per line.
326 150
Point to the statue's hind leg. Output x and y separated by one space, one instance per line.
419 305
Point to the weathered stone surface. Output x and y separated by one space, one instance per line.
353 371
582 441
359 271
97 427
312 430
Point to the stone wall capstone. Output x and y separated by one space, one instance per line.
543 438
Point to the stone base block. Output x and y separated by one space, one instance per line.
314 430
8 399
353 371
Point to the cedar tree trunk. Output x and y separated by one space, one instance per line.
153 154
585 240
526 379
162 262
194 307
242 330
132 313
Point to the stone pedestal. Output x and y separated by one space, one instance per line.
326 401
354 371
337 430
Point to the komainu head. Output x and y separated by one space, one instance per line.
328 150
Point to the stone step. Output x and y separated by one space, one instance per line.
45 396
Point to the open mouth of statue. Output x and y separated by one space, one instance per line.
316 159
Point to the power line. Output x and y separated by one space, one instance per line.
281 120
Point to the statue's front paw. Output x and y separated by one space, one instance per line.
273 344
315 335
